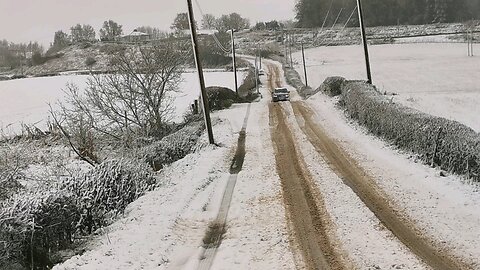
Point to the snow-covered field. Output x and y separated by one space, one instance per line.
26 100
439 79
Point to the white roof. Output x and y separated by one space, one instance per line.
136 34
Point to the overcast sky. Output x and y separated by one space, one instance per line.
25 20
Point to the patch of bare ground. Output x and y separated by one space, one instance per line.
214 235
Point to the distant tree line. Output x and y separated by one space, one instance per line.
271 25
13 55
84 33
210 22
315 13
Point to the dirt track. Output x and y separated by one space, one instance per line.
307 216
306 213
296 183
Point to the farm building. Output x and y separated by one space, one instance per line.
135 36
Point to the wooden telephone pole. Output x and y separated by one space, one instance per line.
364 40
206 107
234 62
304 65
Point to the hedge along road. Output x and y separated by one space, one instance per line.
366 189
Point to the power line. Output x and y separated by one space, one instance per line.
219 44
338 16
344 26
326 16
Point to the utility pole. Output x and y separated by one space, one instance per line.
234 63
285 38
256 74
364 40
471 42
290 46
468 44
260 56
304 66
206 107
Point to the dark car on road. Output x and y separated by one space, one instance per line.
280 94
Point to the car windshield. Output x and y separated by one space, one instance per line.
281 90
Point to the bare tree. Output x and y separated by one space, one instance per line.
110 30
181 22
232 21
135 98
209 21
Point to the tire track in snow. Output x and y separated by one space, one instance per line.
308 218
306 213
217 228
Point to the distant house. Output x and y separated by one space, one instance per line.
135 36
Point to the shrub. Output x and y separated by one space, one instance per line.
85 45
220 98
172 147
247 89
267 53
111 48
33 226
38 59
332 86
8 186
90 61
107 189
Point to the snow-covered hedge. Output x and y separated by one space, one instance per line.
220 98
332 86
107 189
247 90
437 141
172 147
37 225
34 226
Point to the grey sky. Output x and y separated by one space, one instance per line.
25 20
